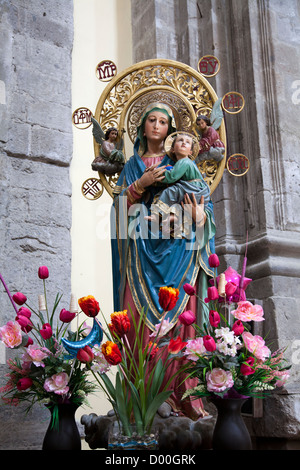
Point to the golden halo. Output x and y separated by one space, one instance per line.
169 140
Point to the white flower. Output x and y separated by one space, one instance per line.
100 364
226 334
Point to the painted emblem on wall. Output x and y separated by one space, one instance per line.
209 65
106 70
233 102
238 164
81 118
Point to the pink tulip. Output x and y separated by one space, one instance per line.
24 383
25 312
85 354
214 318
213 261
65 316
230 289
187 318
46 331
43 272
212 294
238 328
247 369
25 323
19 298
209 343
29 342
188 289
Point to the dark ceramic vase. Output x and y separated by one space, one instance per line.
230 431
62 432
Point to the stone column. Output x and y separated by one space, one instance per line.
35 154
257 43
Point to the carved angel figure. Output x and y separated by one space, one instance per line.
211 146
111 159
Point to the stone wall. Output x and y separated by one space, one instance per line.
36 40
257 43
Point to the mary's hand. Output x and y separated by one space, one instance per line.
152 175
196 211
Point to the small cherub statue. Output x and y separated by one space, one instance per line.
111 159
211 146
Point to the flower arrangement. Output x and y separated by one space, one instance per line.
43 371
138 390
226 358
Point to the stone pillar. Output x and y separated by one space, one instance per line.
257 43
35 154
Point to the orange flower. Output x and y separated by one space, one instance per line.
176 345
89 305
111 353
120 323
152 349
168 297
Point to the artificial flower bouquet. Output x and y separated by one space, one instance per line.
226 358
43 371
137 390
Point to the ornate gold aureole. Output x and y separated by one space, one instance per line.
182 88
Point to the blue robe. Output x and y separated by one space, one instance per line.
149 262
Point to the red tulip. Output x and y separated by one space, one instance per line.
89 305
238 327
151 349
176 345
187 318
46 331
24 383
213 261
85 354
120 323
43 272
190 290
111 353
247 366
209 343
168 297
19 298
214 318
65 316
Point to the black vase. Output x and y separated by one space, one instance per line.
230 431
62 432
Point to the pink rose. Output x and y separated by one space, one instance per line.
256 345
219 380
194 349
187 318
35 354
19 298
246 311
11 334
209 343
58 383
190 290
43 272
284 376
